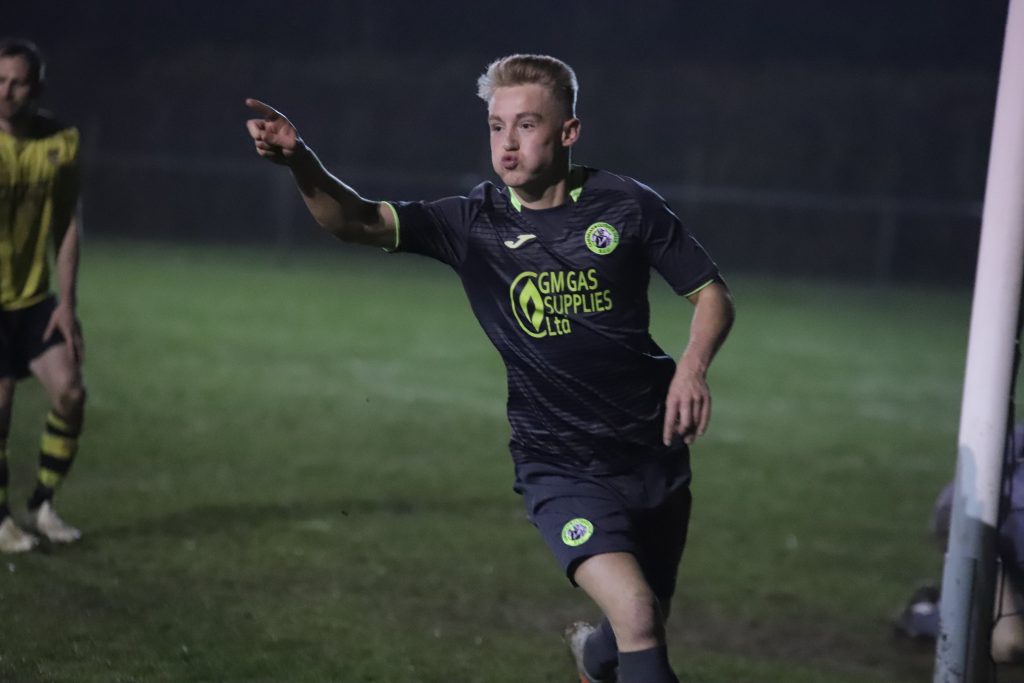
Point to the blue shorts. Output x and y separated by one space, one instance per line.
644 512
21 337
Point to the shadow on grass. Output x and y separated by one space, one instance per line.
314 515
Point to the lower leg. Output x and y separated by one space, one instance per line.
12 538
617 584
59 373
57 450
4 509
601 652
646 666
6 396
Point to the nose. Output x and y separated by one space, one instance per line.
511 141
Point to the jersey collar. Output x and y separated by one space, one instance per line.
577 175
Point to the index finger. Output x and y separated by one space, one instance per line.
263 108
705 416
669 425
687 418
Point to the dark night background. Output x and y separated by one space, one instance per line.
828 139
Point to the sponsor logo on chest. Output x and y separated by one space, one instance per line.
544 302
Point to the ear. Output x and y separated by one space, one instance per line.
570 132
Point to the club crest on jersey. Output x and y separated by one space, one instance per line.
53 156
601 238
577 532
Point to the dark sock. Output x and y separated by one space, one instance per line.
601 653
646 666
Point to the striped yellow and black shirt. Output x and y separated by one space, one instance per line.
38 192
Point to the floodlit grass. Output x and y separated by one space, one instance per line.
295 469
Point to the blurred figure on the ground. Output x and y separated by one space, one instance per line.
39 331
556 264
920 618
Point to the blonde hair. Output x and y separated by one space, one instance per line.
554 74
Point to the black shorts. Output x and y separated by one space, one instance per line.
645 512
21 337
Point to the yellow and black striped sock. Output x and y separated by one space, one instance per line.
56 453
4 510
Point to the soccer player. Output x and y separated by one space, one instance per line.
39 333
556 265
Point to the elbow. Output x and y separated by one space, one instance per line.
729 303
728 308
334 224
720 302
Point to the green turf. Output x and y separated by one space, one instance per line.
295 469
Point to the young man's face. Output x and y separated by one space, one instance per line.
530 136
16 89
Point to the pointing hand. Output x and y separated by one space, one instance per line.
275 137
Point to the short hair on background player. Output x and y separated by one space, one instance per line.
544 70
19 47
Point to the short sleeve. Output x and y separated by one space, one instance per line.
67 185
438 229
672 250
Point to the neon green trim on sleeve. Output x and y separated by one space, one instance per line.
712 280
394 214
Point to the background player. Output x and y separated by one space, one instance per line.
39 333
556 266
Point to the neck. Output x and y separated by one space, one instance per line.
549 198
548 192
17 125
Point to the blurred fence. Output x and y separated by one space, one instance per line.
879 238
790 169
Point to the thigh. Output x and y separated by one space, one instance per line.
57 370
23 331
577 518
661 538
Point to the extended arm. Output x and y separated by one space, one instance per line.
334 205
65 318
688 403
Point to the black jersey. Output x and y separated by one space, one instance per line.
562 295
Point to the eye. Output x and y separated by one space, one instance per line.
495 127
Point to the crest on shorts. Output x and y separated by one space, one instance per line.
601 238
577 532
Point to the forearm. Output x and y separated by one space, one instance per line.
67 263
335 206
712 319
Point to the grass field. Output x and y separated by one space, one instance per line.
295 469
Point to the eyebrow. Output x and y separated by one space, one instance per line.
521 115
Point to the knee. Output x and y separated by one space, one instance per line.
71 399
638 624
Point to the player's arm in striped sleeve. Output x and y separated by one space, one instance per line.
336 207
